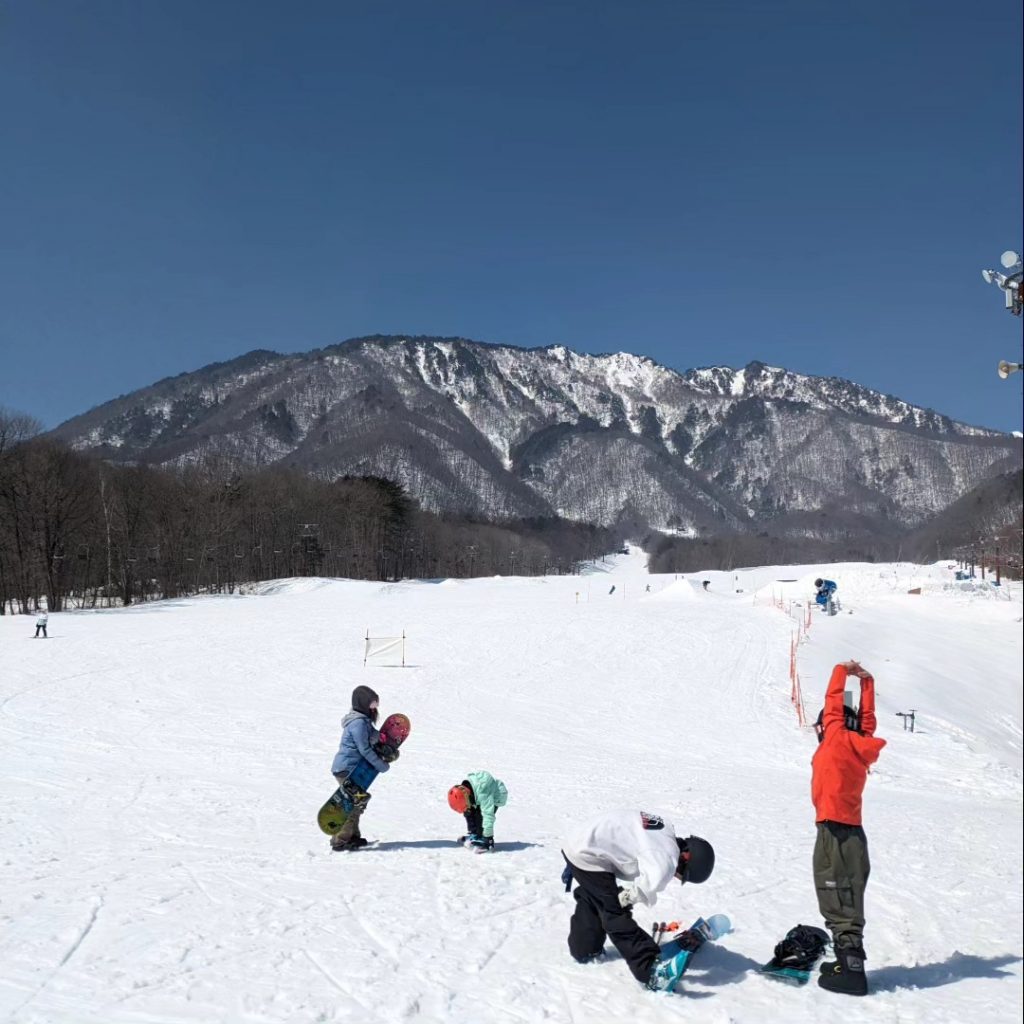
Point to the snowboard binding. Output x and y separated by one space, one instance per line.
796 955
358 796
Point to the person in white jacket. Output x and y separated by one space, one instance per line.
620 859
41 619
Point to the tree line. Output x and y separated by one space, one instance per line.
985 527
79 532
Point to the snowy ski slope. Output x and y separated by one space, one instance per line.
162 766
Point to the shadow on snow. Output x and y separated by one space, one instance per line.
446 844
713 967
958 967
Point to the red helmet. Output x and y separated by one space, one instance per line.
459 799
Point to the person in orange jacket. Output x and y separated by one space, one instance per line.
847 748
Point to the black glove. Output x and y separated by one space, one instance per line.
386 751
567 878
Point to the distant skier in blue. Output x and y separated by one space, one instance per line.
825 595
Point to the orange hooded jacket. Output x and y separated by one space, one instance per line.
840 765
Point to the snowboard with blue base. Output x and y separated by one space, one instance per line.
790 975
335 812
676 956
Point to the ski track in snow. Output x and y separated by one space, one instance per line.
162 767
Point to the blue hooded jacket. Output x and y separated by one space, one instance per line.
358 736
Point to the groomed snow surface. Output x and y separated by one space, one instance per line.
162 767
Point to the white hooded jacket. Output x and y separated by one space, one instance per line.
637 847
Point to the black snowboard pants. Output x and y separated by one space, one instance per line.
474 821
599 914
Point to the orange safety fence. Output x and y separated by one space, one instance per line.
801 614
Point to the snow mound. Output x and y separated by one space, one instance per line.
291 585
799 589
972 589
677 590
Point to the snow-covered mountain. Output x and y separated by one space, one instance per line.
497 430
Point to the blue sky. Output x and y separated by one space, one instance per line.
811 184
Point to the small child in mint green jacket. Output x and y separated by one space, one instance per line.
478 798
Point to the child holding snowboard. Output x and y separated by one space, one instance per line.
478 798
357 739
847 748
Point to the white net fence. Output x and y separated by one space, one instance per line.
384 650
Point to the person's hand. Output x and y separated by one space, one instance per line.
628 896
853 668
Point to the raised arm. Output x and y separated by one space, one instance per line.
868 722
834 697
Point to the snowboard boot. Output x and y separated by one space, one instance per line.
847 972
665 973
347 845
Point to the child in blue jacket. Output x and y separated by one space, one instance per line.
357 739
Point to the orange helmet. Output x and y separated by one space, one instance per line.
460 799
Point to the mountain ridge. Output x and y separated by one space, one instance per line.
492 429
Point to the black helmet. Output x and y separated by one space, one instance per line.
818 582
851 719
696 859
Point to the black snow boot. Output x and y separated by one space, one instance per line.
347 846
846 973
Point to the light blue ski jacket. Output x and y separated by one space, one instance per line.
490 794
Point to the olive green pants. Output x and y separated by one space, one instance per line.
841 869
